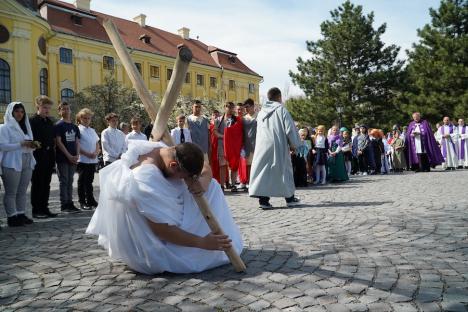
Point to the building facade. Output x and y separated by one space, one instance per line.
56 48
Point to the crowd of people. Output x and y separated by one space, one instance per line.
30 150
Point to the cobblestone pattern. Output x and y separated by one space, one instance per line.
368 245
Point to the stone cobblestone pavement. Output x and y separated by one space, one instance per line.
380 243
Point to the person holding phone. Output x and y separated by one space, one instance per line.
16 143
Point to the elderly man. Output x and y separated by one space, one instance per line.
422 148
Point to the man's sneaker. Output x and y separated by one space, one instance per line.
293 202
242 187
265 206
25 219
85 207
70 207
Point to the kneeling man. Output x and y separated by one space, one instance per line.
147 216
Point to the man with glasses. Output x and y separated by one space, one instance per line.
148 218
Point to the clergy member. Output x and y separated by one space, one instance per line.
422 148
272 172
447 136
148 218
462 144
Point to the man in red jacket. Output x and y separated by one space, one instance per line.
228 131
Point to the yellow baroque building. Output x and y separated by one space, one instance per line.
56 48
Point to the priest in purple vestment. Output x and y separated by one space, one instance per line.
423 151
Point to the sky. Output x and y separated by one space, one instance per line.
269 35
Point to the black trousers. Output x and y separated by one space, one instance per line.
40 181
362 162
299 170
85 183
423 163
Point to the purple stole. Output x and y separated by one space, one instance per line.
461 155
444 147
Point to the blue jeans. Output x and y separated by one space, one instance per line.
65 172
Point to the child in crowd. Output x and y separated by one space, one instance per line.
398 157
124 128
87 161
361 150
180 134
67 140
376 149
385 154
299 160
321 154
136 133
310 155
335 164
346 148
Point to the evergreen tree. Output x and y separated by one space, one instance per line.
350 68
437 69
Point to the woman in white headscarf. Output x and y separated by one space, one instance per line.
16 143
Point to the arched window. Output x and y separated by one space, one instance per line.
5 84
67 94
44 82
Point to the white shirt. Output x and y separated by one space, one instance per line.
175 134
88 141
320 141
113 144
135 136
417 139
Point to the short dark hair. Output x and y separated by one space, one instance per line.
62 104
190 157
249 102
229 104
197 102
110 116
274 94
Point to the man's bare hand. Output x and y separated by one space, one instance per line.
194 186
216 242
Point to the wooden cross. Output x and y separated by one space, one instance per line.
160 115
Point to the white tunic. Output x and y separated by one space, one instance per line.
131 197
272 174
447 145
462 161
417 139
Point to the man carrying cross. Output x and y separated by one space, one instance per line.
148 218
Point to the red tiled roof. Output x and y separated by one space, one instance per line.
162 42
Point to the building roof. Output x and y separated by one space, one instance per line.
59 16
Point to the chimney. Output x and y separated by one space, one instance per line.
140 19
184 32
83 5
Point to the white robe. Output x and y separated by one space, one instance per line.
131 197
451 155
272 174
460 136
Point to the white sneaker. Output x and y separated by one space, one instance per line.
364 173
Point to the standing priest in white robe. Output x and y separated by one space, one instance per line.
462 144
147 216
447 137
272 173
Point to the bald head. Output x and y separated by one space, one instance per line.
416 116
